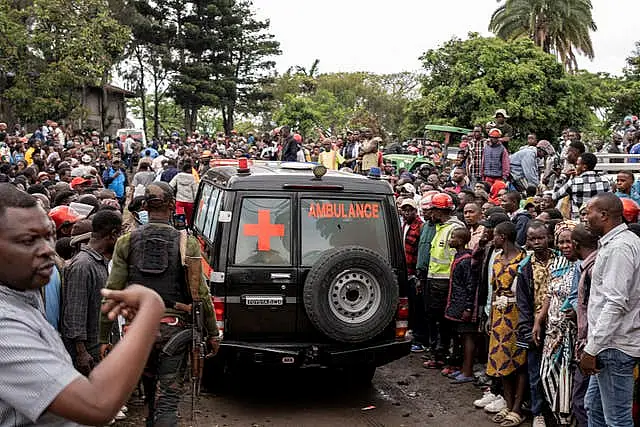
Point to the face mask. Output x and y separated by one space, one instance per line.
143 217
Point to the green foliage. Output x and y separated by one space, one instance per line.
298 111
466 81
338 101
557 26
250 59
52 55
171 116
217 54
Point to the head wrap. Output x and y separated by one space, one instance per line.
563 226
546 146
495 189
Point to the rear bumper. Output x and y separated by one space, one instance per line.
303 355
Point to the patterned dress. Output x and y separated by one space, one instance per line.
556 369
505 357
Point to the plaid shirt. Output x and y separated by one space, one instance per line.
580 189
476 149
411 241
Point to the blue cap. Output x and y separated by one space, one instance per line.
375 172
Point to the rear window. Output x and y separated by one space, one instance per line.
264 232
328 224
207 212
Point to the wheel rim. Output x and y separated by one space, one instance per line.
354 296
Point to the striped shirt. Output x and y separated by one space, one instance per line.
34 364
476 150
581 189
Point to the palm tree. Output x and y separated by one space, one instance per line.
308 77
561 27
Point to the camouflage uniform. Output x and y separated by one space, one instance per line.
150 256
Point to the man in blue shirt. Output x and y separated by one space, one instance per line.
52 298
524 163
115 178
625 186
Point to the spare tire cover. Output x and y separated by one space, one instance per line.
351 294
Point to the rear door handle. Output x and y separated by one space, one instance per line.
280 276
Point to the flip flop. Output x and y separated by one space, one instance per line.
461 379
512 419
449 371
433 364
500 416
454 374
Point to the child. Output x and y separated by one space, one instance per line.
461 302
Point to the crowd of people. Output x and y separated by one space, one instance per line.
509 253
527 262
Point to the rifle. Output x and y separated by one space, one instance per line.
193 275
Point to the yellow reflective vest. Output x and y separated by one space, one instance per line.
441 255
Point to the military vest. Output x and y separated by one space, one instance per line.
154 262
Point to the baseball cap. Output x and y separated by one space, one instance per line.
495 133
86 158
409 202
62 215
494 220
409 188
78 181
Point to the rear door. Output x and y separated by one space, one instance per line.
261 275
330 221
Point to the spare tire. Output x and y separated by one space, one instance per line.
351 294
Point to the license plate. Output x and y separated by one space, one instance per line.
263 300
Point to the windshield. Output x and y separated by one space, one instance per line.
332 223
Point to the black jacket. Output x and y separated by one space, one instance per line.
521 220
526 308
290 150
462 287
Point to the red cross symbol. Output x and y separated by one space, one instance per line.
264 230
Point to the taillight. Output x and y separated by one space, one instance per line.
218 308
402 317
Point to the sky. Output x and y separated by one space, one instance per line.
389 36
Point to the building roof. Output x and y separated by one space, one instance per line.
116 89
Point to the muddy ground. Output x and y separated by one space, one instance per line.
402 394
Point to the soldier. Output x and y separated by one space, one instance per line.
151 255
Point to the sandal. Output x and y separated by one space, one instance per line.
449 370
512 419
461 379
500 416
433 364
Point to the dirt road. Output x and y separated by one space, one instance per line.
403 394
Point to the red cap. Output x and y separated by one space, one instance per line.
62 215
442 201
297 137
630 210
78 181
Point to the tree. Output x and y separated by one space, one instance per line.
147 52
625 96
348 100
466 81
561 27
250 60
200 34
52 55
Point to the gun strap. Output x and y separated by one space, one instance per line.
183 247
192 272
